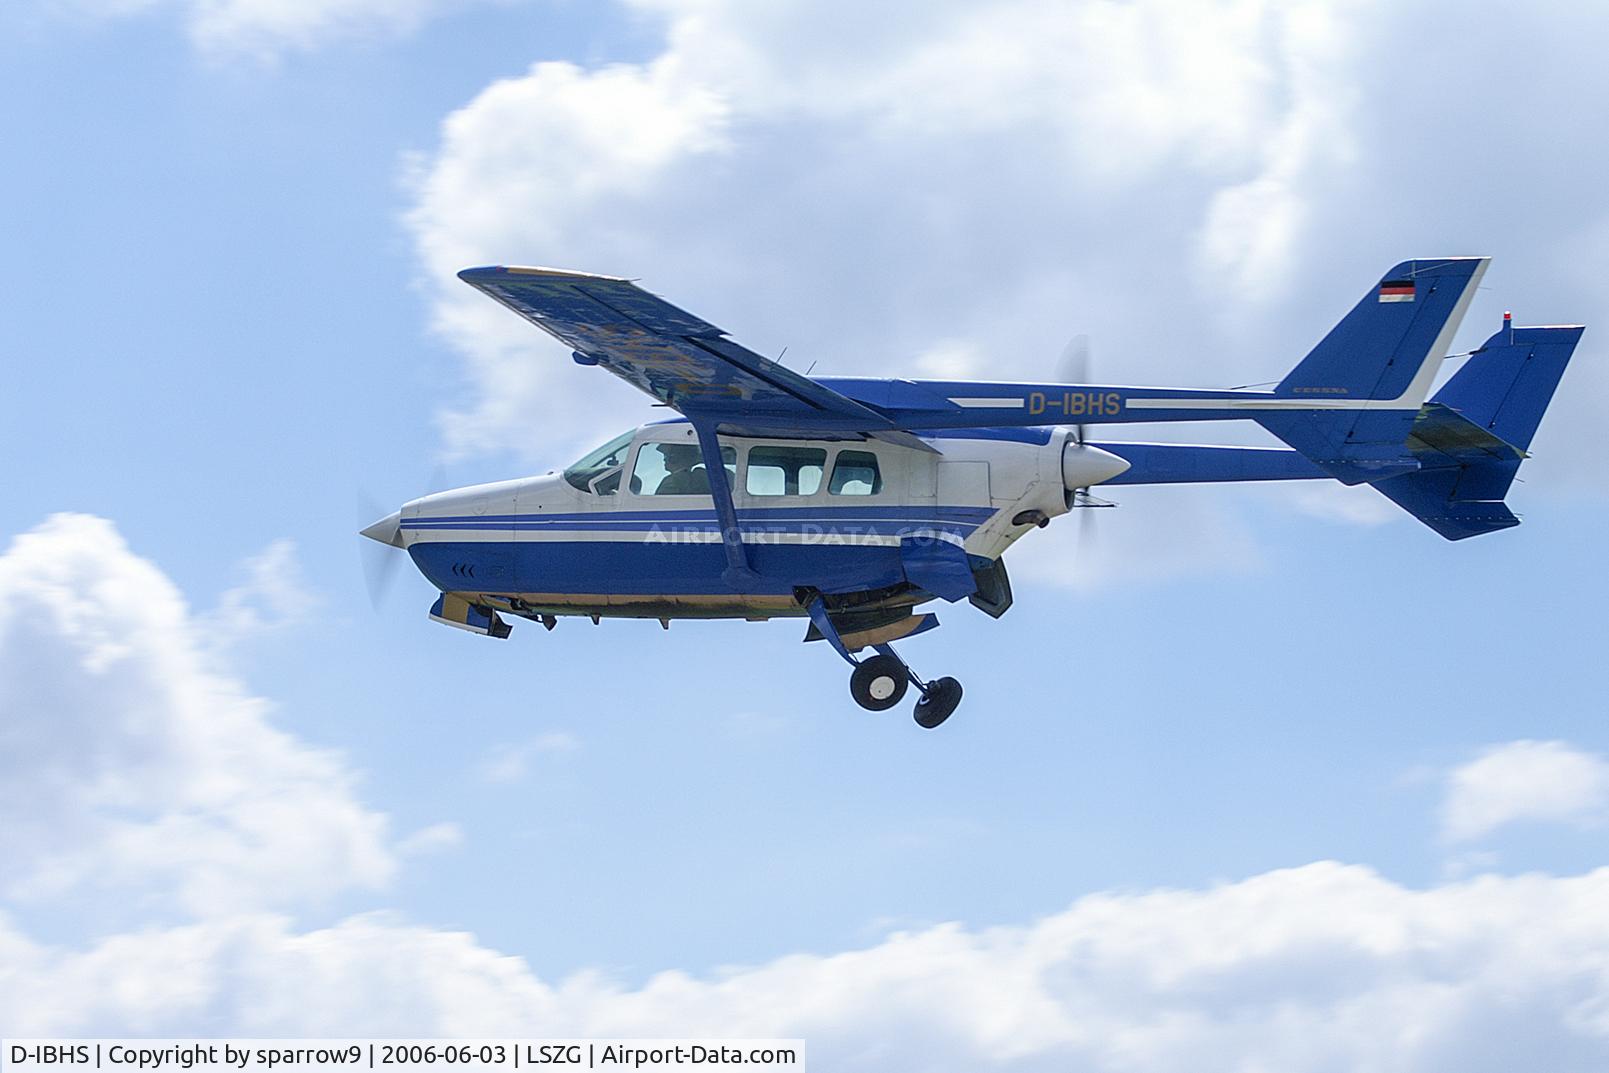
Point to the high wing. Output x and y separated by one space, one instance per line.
679 359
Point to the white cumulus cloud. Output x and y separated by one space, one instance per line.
1525 780
130 760
133 768
1318 968
964 181
273 596
956 188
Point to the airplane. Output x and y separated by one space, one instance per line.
854 502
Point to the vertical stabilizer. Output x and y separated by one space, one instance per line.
1472 437
1367 378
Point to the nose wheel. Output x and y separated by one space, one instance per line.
938 702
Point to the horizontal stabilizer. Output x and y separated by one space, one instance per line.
1434 498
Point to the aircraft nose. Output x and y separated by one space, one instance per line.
387 530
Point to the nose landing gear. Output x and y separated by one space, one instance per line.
879 682
938 702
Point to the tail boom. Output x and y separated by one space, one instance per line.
1354 409
1349 402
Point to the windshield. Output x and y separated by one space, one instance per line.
594 464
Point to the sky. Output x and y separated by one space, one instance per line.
1249 778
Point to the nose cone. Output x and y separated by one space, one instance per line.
387 530
1082 465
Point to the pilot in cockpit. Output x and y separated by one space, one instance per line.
685 474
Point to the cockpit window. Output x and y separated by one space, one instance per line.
586 473
676 469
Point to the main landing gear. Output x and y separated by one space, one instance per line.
879 682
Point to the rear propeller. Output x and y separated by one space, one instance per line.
1073 367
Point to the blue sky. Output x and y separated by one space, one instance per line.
1347 750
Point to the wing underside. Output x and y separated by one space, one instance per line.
679 359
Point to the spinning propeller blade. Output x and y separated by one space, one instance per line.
1073 367
379 564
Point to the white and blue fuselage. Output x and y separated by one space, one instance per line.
618 535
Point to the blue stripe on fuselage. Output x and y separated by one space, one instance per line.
638 568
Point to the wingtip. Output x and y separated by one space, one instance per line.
493 272
1433 266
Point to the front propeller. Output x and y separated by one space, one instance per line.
380 565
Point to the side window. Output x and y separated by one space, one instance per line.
855 473
676 469
786 471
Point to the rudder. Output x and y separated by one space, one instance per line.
1507 384
1470 439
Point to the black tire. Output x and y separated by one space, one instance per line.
878 683
942 697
